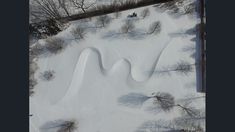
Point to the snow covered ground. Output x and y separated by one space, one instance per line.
94 75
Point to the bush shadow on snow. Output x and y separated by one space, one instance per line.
138 34
134 100
51 126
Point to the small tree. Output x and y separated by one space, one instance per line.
127 27
103 20
48 75
145 13
54 45
68 126
78 33
155 27
165 100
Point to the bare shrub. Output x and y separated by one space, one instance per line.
68 126
145 13
127 27
103 20
78 33
155 27
191 111
183 67
165 100
54 45
48 75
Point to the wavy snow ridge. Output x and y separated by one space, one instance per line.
86 54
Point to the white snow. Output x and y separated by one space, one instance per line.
92 74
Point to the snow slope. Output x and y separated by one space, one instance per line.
92 74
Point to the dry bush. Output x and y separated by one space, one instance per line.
103 21
68 126
48 75
155 27
54 45
127 27
183 67
188 110
165 100
145 13
78 33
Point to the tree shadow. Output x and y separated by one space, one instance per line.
137 34
134 100
112 35
51 126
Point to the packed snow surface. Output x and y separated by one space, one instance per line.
91 75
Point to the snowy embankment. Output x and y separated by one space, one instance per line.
94 75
